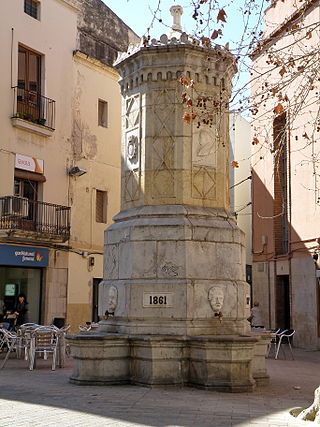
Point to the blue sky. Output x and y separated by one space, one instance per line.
138 15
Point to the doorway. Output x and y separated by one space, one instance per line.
95 298
282 302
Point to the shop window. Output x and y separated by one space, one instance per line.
28 281
101 206
102 113
32 8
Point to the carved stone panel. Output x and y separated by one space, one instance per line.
204 147
132 185
132 115
163 144
204 182
132 150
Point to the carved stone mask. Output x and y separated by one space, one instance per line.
112 299
216 298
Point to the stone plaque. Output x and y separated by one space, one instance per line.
158 299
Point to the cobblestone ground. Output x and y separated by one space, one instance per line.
45 398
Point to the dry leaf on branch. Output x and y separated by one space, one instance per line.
278 109
305 135
205 41
255 141
282 71
187 117
221 16
186 82
216 34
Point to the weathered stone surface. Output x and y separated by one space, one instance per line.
259 370
99 359
185 267
164 360
312 413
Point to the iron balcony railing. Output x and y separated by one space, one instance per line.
34 107
19 213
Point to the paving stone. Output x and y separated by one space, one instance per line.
46 398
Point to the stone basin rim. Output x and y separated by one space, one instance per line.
206 338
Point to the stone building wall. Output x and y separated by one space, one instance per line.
102 33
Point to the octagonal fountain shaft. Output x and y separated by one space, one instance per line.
174 266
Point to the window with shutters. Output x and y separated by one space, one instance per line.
101 206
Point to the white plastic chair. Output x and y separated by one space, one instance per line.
12 342
44 340
24 333
285 338
274 340
2 338
62 349
88 327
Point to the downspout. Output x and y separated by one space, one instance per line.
11 59
289 216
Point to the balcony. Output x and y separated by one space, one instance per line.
28 219
33 111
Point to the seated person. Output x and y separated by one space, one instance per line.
4 324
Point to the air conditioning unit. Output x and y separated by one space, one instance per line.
15 206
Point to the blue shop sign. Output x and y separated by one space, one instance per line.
27 256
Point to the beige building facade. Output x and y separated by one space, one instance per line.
285 171
59 153
240 181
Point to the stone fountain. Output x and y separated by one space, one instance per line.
173 297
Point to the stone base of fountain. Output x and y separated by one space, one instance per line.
221 363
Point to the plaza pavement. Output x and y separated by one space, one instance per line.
45 398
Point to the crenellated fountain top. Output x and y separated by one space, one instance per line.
176 37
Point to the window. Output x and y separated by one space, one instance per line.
29 85
101 206
103 113
25 188
29 70
31 7
100 50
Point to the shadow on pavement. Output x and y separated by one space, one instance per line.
26 395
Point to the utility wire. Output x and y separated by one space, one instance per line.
238 183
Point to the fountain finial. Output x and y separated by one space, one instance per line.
176 28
